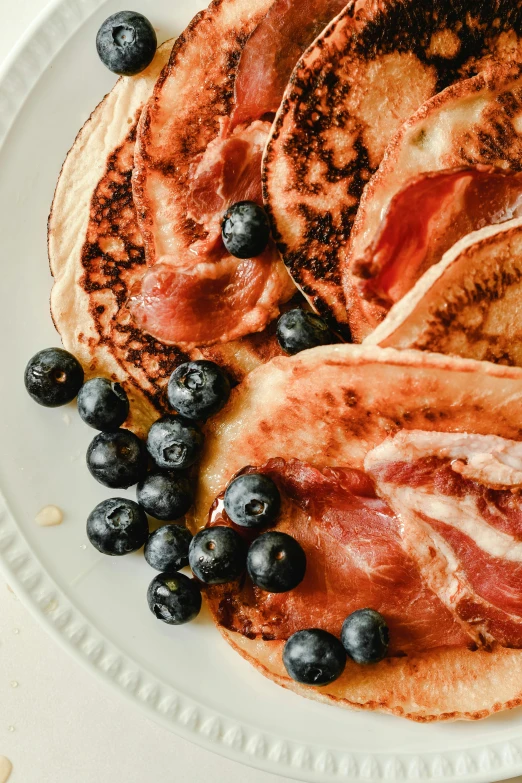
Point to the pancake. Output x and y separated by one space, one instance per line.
367 73
194 96
97 254
199 148
469 304
328 406
471 122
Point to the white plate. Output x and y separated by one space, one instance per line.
187 679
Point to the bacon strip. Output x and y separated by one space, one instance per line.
204 296
355 559
182 299
426 218
198 304
465 534
272 51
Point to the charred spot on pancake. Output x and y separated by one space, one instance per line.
351 397
113 258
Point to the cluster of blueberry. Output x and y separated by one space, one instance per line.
117 458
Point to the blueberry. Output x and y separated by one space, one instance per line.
117 526
53 377
314 657
126 43
174 443
174 598
252 500
217 555
165 495
276 562
298 330
103 404
245 229
365 636
117 459
198 389
167 548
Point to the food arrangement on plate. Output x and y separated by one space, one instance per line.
281 182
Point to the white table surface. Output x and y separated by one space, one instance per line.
57 723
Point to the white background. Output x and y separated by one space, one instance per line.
57 723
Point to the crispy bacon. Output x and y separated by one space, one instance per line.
355 559
458 499
426 218
272 51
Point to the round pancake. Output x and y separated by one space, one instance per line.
191 100
328 406
97 253
349 94
466 305
470 123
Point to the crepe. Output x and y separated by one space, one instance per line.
97 254
469 304
328 406
367 73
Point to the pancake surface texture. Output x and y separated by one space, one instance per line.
190 166
364 76
471 122
97 254
327 407
469 304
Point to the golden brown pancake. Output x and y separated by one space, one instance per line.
471 122
96 253
469 304
191 100
349 94
328 406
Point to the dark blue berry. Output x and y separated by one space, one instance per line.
165 495
174 598
252 500
298 330
245 229
117 526
167 548
198 389
217 555
103 404
365 636
126 43
53 377
174 443
117 459
276 562
314 657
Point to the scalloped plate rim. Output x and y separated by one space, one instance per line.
28 586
